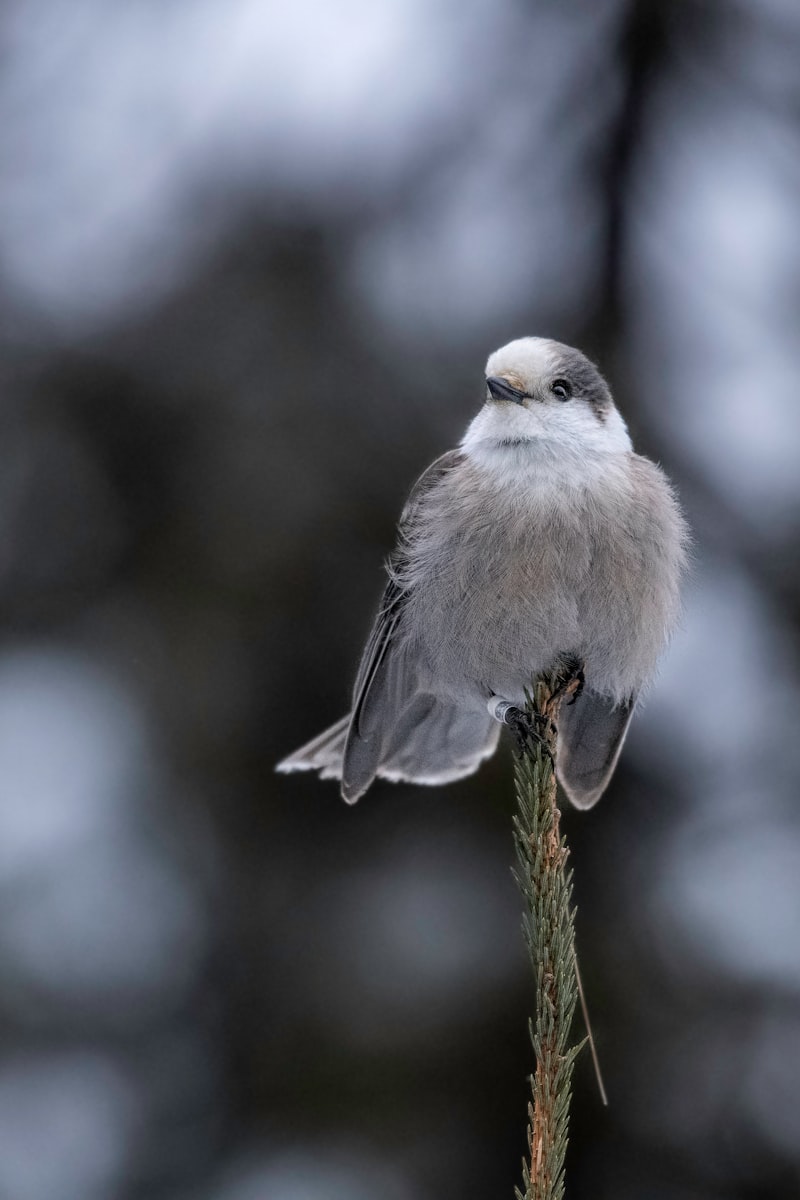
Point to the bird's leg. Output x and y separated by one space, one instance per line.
524 727
571 679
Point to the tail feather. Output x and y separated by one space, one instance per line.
436 742
590 737
432 742
323 753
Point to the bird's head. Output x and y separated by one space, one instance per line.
538 390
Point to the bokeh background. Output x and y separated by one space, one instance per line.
252 259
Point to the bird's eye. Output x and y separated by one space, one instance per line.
561 388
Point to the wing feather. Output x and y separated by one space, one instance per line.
386 680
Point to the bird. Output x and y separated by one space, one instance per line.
543 539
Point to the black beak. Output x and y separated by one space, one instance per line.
499 389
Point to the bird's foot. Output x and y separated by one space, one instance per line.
571 679
525 727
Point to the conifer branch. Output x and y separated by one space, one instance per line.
548 925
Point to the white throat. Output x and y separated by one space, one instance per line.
511 442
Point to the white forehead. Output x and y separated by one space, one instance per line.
530 356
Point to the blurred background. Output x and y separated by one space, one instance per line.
252 260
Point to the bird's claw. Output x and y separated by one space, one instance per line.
526 727
571 679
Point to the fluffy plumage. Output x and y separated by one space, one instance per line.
544 535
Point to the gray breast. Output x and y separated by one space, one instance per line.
495 588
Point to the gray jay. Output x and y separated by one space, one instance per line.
542 539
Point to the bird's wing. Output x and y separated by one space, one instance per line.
382 685
590 736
